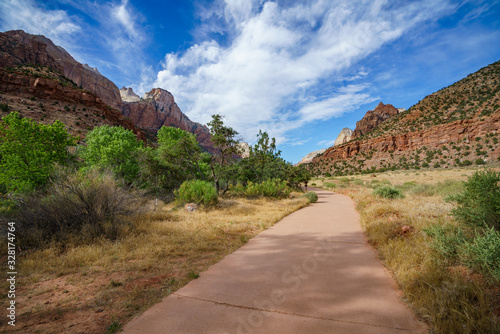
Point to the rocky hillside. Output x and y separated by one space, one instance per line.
374 118
20 48
63 83
158 108
456 126
46 95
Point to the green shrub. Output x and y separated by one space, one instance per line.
483 253
388 192
329 185
4 107
358 182
447 240
270 188
197 191
311 196
480 161
479 203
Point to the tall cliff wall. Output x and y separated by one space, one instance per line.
20 48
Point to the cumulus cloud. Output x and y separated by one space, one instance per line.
29 16
275 66
115 41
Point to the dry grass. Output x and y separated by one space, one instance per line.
431 176
84 289
452 299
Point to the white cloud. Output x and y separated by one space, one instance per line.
114 42
29 16
326 143
274 59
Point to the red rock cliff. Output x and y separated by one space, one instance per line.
158 108
20 48
374 118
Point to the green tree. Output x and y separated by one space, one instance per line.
264 156
115 148
178 158
225 143
180 150
29 151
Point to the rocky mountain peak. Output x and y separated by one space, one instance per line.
374 118
20 48
128 95
158 108
343 137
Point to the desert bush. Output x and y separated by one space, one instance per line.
76 207
479 203
483 253
359 182
311 196
274 188
197 191
388 192
446 240
329 185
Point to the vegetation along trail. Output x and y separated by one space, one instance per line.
313 272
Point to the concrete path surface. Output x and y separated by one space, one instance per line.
312 272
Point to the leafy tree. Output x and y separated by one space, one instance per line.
29 151
180 151
115 148
225 143
264 155
177 159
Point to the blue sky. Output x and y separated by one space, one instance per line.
300 70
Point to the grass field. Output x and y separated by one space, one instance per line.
450 296
99 287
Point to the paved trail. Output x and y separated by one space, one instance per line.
312 272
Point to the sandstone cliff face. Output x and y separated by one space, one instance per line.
374 118
344 136
128 95
46 100
309 157
18 47
380 148
157 109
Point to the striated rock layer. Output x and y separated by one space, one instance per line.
157 109
46 100
432 138
374 118
344 136
20 48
